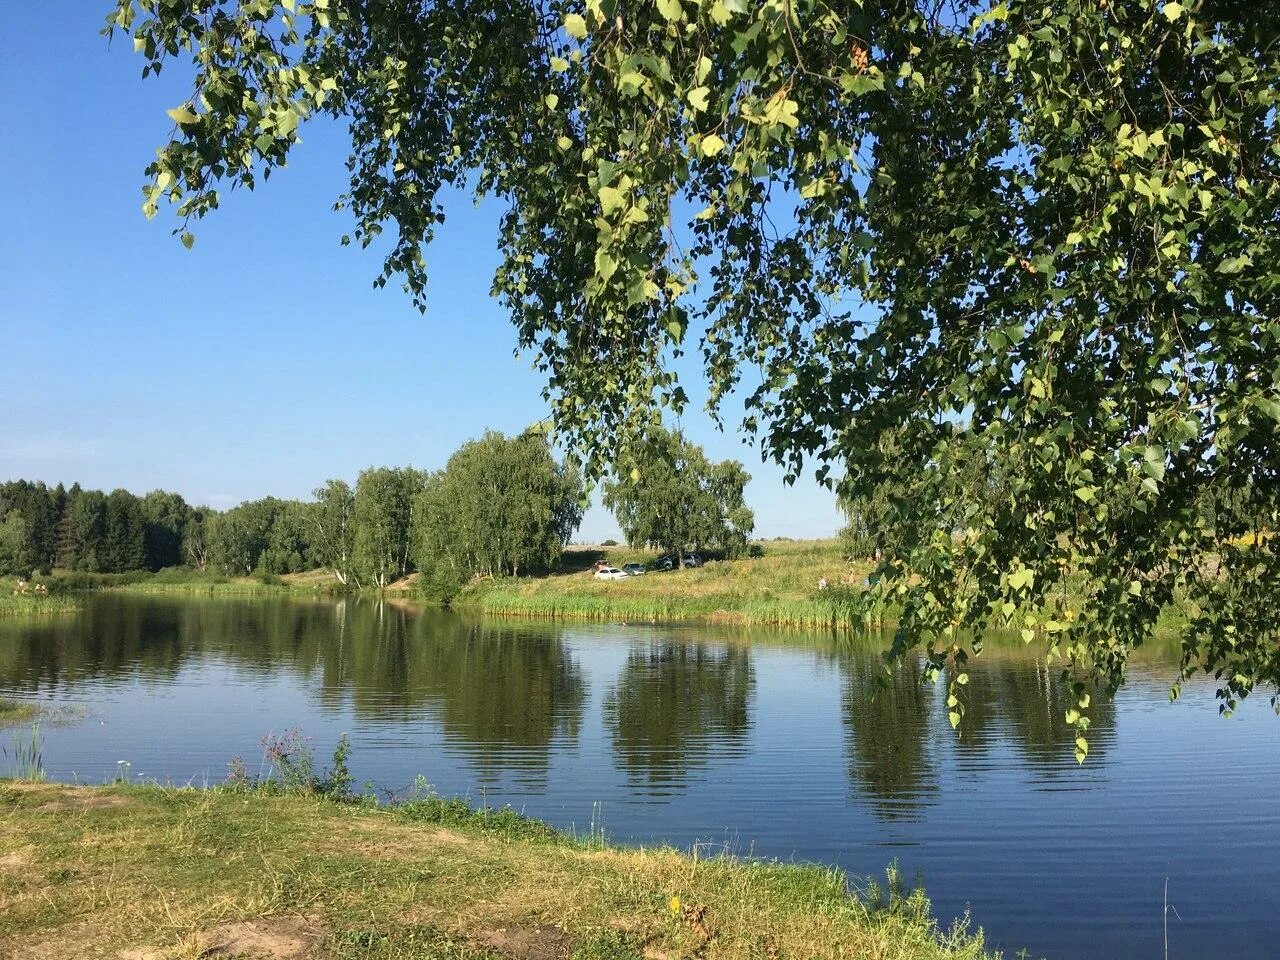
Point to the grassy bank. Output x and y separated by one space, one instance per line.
779 588
34 604
184 581
150 873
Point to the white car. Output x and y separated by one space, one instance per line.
610 573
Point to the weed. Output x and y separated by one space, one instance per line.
896 897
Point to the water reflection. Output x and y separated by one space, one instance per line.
501 695
504 696
888 734
675 706
895 731
1023 701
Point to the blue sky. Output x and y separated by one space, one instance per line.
262 361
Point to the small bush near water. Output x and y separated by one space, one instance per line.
292 769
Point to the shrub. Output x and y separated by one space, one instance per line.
292 762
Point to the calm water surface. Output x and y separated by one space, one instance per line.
761 743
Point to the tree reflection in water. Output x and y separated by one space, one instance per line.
896 733
676 706
502 695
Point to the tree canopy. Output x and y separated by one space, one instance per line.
382 514
679 500
502 505
1036 234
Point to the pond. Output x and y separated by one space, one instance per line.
753 742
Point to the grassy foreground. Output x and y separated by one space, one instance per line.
779 588
146 873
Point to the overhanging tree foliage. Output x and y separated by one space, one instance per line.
680 500
1039 233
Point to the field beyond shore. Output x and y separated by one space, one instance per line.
151 873
780 587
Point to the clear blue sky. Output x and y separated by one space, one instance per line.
262 361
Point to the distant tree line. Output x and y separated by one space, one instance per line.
502 506
677 499
45 527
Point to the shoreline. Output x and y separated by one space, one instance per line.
254 869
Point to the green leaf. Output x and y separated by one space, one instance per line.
711 145
611 198
1172 11
188 240
1022 578
552 101
575 26
606 266
697 98
631 82
559 64
182 115
671 10
1268 406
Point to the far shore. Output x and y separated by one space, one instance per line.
789 583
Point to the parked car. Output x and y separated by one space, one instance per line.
633 569
692 560
610 573
665 563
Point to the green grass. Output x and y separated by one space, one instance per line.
15 711
779 588
185 581
166 873
34 604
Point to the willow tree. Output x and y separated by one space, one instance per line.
1040 232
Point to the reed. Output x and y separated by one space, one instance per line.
23 757
36 604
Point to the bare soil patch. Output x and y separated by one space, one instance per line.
529 943
13 862
266 938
